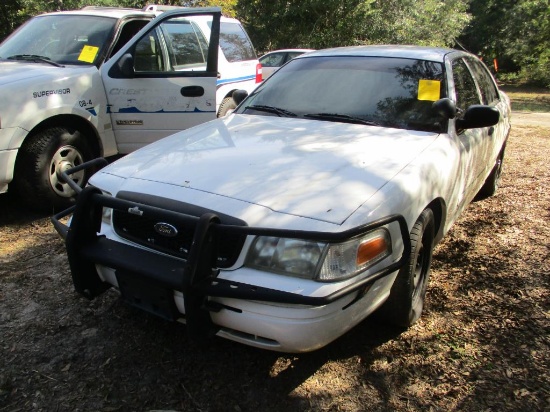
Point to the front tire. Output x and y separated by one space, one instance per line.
406 301
41 157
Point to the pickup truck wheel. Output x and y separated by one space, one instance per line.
227 104
406 301
490 186
41 158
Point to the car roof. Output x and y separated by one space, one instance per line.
437 54
289 50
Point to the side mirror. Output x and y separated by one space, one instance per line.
478 115
445 107
239 96
126 65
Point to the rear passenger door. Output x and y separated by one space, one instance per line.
491 97
163 80
472 142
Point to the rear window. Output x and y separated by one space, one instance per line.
235 44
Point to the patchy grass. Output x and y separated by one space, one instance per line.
528 99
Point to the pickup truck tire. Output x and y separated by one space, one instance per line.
227 104
406 301
41 157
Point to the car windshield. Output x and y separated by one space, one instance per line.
380 91
61 39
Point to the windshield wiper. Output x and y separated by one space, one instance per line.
35 58
341 118
278 111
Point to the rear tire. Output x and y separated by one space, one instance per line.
227 104
490 186
41 157
406 301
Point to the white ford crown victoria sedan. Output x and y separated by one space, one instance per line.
316 203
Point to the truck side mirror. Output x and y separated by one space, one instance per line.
126 65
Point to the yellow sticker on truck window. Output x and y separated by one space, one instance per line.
429 90
88 54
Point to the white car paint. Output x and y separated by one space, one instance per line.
300 175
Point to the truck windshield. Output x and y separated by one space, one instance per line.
375 91
63 39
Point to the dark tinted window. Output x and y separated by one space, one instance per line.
391 92
489 92
235 44
466 92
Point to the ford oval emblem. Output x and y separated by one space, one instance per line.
166 229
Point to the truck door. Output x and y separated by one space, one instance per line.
164 79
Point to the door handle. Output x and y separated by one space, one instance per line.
192 91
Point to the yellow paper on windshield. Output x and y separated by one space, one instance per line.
429 90
88 54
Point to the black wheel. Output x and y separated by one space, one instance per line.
490 186
227 104
406 301
41 157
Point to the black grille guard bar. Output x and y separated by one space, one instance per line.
196 277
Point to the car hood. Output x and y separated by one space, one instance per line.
17 71
314 169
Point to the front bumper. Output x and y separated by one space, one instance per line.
192 290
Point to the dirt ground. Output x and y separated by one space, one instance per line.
481 345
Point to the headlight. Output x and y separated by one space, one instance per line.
292 257
325 262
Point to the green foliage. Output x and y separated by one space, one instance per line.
516 32
331 23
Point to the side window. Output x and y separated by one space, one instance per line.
235 44
465 87
148 54
274 60
128 31
489 93
186 44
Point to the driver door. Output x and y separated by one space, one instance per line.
164 79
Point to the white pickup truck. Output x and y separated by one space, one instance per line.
106 81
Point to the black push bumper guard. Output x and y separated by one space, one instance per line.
197 277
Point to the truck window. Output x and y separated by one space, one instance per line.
148 54
65 39
187 46
128 31
235 44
